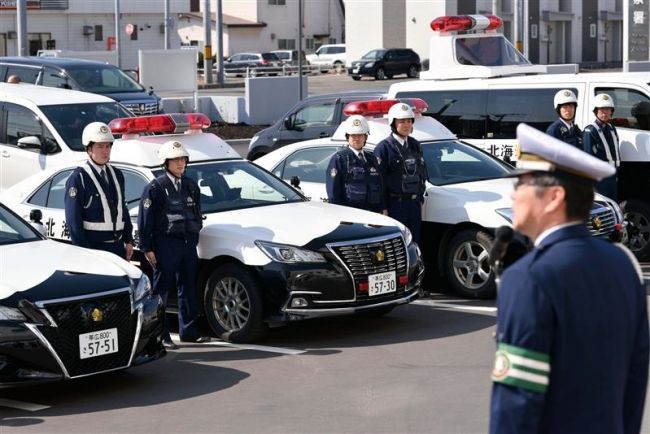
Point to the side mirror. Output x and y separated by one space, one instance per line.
35 217
288 123
29 142
150 90
295 181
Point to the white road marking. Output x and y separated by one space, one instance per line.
220 343
27 406
433 303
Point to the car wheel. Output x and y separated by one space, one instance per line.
338 67
356 78
413 72
253 73
467 264
380 74
233 305
637 214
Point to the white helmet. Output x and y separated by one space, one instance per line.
170 150
400 111
564 96
603 100
96 132
356 124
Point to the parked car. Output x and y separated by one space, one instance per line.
386 63
329 56
68 312
313 117
253 64
289 59
84 75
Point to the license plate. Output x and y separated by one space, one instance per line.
98 343
381 283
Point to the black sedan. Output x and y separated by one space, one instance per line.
68 312
385 63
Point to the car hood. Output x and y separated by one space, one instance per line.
131 97
27 267
310 224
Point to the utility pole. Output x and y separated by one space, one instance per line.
219 43
167 25
300 48
207 38
118 47
515 24
21 27
525 28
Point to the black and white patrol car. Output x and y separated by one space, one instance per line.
267 254
68 312
466 199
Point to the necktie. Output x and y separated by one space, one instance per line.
362 157
177 184
102 173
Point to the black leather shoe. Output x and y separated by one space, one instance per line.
170 345
199 340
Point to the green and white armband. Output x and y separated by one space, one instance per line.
519 367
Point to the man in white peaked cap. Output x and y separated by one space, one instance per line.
572 323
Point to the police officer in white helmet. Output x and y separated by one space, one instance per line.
169 222
401 164
564 128
95 208
353 174
600 139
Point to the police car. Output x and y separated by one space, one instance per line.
481 88
68 312
267 254
466 196
41 127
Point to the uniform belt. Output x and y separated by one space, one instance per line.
114 240
402 196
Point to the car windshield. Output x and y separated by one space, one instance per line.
487 51
103 79
270 56
284 55
70 119
454 162
13 229
231 185
374 54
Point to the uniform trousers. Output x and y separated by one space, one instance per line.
408 212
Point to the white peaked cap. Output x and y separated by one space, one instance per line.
543 153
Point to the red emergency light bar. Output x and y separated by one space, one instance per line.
466 22
381 106
165 124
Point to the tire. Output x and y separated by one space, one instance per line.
253 73
233 306
356 78
413 72
337 67
467 265
380 74
637 213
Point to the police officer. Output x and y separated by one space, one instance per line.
600 139
572 322
401 164
169 221
95 209
354 179
564 128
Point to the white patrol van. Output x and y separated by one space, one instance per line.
41 127
267 254
481 88
466 199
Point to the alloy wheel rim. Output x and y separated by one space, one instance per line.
471 265
639 237
231 304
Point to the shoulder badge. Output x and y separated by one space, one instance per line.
563 130
333 173
72 192
146 203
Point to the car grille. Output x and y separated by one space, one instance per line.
361 259
69 316
601 220
140 109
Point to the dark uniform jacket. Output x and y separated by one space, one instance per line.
166 214
602 142
572 336
353 182
402 168
96 212
559 130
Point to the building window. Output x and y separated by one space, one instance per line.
278 2
134 35
331 41
99 32
195 6
286 44
309 43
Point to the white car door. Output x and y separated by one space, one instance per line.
310 166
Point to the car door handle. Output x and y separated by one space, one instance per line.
6 154
323 134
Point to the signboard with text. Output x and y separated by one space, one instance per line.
639 29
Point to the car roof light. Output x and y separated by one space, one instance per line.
162 124
381 106
451 23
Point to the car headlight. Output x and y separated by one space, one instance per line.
288 254
506 213
369 65
253 140
408 236
617 210
11 314
142 288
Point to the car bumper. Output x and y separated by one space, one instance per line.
35 353
297 292
360 71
